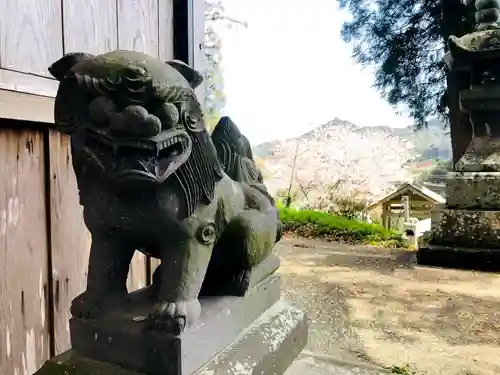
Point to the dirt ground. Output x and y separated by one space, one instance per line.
375 305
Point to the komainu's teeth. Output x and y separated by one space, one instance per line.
172 141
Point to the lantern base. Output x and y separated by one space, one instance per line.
465 232
473 190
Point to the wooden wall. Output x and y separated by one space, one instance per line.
43 242
51 28
24 273
44 246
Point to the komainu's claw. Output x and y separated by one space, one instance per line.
174 317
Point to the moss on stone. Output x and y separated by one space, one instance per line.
69 363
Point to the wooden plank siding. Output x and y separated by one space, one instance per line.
24 314
30 40
70 239
30 35
197 43
35 33
90 26
26 107
138 26
165 30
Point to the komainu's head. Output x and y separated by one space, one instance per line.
137 119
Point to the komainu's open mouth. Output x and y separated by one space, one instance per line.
173 152
153 159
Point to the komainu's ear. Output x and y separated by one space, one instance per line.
192 76
61 67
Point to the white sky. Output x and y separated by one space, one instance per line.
290 71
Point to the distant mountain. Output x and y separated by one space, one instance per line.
369 160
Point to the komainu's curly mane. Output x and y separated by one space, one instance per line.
199 174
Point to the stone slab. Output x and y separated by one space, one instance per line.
473 190
121 338
487 260
266 347
465 228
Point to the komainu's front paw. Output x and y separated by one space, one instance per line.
90 306
173 317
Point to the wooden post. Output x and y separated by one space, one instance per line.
385 215
405 200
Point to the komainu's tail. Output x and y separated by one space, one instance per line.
235 153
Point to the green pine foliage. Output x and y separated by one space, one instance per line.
405 41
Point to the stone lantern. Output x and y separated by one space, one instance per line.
466 231
475 57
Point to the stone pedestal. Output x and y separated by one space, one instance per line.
255 334
410 232
465 232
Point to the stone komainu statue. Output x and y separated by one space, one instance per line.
152 179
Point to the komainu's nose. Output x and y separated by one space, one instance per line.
135 121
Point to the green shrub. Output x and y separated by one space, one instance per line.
317 224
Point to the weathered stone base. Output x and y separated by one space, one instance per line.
466 228
266 347
473 190
466 232
462 239
121 336
70 363
487 260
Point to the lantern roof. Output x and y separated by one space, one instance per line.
482 44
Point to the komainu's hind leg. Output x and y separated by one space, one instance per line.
245 252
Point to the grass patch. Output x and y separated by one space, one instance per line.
317 224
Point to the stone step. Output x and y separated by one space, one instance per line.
466 228
487 260
473 190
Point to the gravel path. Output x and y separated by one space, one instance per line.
373 306
307 365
